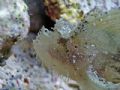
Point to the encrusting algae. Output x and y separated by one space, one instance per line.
67 9
76 10
88 53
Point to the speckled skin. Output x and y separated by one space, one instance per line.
93 43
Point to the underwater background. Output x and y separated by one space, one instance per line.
59 45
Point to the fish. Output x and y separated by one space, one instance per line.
87 52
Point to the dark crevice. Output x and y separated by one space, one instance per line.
38 18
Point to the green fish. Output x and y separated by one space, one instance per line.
88 52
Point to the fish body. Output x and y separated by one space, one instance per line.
93 44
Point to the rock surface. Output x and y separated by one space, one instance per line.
14 19
14 22
38 18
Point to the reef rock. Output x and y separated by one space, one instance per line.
36 13
14 22
75 10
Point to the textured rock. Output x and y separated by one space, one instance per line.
74 10
104 36
68 9
38 18
14 22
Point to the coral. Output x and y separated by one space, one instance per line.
104 33
68 9
14 22
102 5
14 19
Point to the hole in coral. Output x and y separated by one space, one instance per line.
76 46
